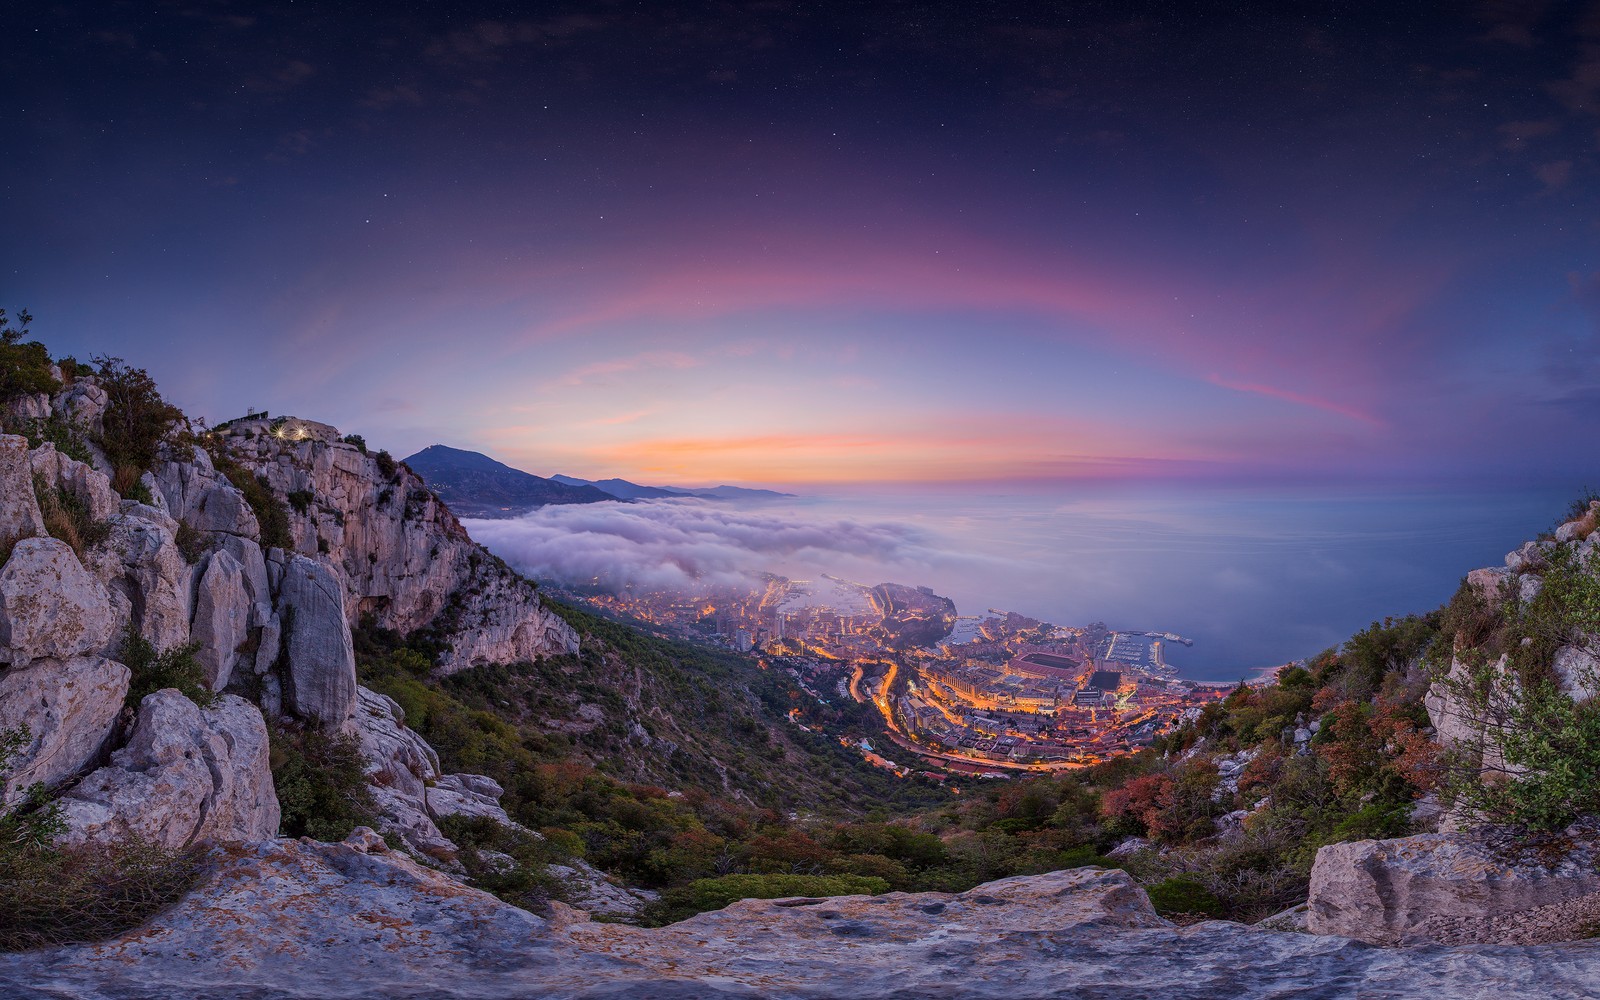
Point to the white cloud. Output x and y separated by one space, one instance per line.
695 545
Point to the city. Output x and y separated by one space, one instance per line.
988 695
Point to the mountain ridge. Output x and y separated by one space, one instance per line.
475 485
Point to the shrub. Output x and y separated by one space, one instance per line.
357 440
706 894
1546 772
54 896
386 464
138 491
1182 894
192 542
155 671
24 367
509 862
300 500
136 419
57 431
67 517
321 782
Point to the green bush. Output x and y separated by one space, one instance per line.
706 894
357 440
1185 895
157 670
191 542
300 500
24 366
1550 744
135 422
57 431
321 781
508 862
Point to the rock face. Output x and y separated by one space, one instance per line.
302 920
19 515
222 613
1483 887
403 556
69 709
188 775
322 660
50 606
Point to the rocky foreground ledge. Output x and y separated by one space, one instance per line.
298 919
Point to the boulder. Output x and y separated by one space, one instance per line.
322 659
467 795
83 403
1482 887
188 775
69 708
396 757
141 562
405 819
19 508
90 486
50 606
221 618
1577 670
592 891
203 498
1527 559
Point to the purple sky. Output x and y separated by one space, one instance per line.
800 244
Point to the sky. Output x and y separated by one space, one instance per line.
813 245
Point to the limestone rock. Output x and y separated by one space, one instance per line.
70 710
591 891
1292 921
1578 672
89 485
1487 581
1527 559
467 795
403 556
19 508
83 403
188 775
50 605
505 622
396 756
300 920
221 618
404 818
322 662
141 562
203 498
1448 887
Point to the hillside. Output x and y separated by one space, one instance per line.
475 485
622 489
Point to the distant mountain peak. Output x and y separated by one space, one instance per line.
475 485
622 489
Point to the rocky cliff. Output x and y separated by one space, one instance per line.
252 549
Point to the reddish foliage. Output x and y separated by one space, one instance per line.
1139 799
